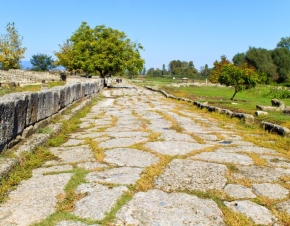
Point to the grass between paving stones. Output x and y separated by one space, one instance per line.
258 161
174 124
230 217
98 152
23 170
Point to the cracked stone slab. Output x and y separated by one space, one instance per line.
84 135
91 165
174 147
277 161
98 200
24 207
259 214
192 175
72 154
122 175
130 157
272 191
284 206
260 174
221 157
239 149
74 223
239 192
159 208
122 142
171 135
128 134
52 169
72 142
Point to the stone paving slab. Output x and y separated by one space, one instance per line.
261 174
159 208
171 135
98 200
122 175
239 192
174 147
91 165
192 175
72 154
130 157
259 214
284 206
271 191
52 169
33 200
221 157
122 142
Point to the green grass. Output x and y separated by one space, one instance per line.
245 101
28 88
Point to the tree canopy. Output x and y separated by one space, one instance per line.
284 42
281 58
216 71
42 62
11 50
240 78
100 49
177 67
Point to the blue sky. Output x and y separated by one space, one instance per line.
197 30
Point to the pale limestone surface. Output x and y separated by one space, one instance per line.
159 208
174 147
122 175
284 206
221 157
91 165
259 214
33 200
239 192
74 223
130 157
98 200
192 175
122 142
271 191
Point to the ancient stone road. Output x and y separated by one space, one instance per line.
139 130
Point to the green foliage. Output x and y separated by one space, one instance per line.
101 49
204 71
10 48
42 62
239 59
279 93
184 68
218 65
238 77
284 42
281 58
261 60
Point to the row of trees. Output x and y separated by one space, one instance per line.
256 66
98 50
175 67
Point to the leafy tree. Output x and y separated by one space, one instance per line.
101 49
66 56
281 58
241 78
216 71
204 71
284 42
261 60
184 68
11 51
42 62
157 72
239 59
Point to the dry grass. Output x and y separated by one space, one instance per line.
114 121
197 138
146 181
98 152
258 161
174 124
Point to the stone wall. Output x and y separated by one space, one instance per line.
21 110
21 77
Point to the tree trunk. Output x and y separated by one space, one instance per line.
236 90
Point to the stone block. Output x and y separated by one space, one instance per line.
62 95
7 120
32 109
286 111
278 103
21 104
56 100
267 108
67 95
45 103
258 113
